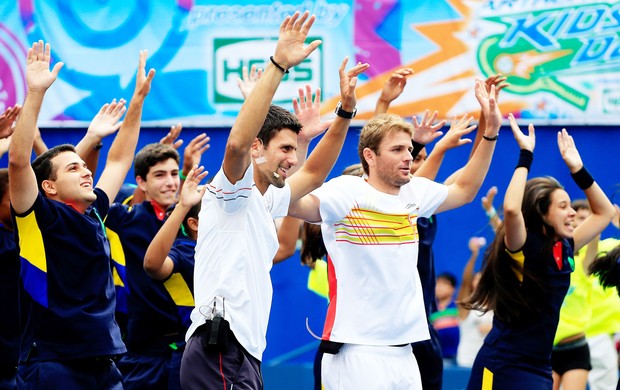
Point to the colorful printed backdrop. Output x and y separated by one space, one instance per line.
562 58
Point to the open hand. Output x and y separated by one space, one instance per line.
527 142
309 114
38 75
424 131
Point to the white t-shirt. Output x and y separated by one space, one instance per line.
471 338
237 242
372 241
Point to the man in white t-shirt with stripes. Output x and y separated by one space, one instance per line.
237 239
369 227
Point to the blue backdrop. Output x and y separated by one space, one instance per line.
288 339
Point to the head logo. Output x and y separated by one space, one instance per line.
547 49
232 54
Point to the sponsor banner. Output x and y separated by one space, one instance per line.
561 58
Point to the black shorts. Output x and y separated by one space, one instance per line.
566 358
206 368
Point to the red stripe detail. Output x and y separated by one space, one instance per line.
215 189
557 254
222 372
393 234
378 243
331 310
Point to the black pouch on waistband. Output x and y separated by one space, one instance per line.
216 334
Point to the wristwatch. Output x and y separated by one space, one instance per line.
345 114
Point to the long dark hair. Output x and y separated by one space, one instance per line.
499 285
312 247
607 268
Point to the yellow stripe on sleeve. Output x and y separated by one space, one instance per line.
519 257
487 379
179 290
31 246
116 248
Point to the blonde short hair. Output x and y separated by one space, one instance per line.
375 131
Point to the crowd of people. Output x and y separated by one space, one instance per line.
170 287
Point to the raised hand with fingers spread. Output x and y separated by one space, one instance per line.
39 77
309 114
569 151
108 119
526 142
348 81
291 49
497 80
425 131
490 109
193 153
454 137
172 137
191 193
7 119
248 82
392 89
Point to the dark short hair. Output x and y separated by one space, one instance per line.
449 277
151 155
43 167
4 181
192 213
277 119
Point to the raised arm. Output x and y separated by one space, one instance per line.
157 264
513 217
602 209
288 233
39 145
452 139
290 51
499 82
120 156
248 82
392 89
468 182
308 113
322 159
467 285
489 209
192 154
106 122
23 184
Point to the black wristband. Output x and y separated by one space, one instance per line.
582 178
285 71
345 114
417 148
490 138
98 146
525 159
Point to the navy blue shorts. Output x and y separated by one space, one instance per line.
8 376
151 372
503 371
87 374
234 367
430 362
